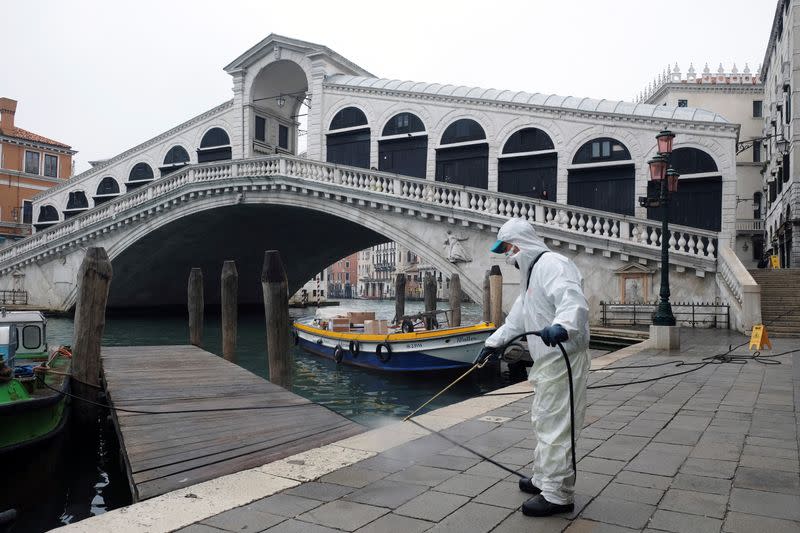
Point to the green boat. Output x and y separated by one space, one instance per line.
33 381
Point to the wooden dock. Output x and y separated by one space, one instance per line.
165 452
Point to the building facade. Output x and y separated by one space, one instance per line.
343 277
29 164
313 291
781 77
738 96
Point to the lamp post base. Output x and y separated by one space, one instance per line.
665 337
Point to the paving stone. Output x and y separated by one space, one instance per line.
632 493
324 492
767 480
487 469
198 528
658 463
519 523
772 504
717 450
643 480
620 447
392 523
590 483
296 526
709 467
684 523
432 505
418 448
381 463
768 451
747 523
343 515
597 433
775 443
503 494
678 436
351 476
588 526
422 475
243 520
642 428
473 517
773 463
466 485
514 456
711 485
619 512
385 493
691 502
600 466
283 504
450 462
669 449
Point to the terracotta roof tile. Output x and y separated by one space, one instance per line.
19 133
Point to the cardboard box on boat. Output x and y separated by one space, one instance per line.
359 317
339 324
376 327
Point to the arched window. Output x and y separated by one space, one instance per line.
215 146
404 146
350 146
698 201
528 165
76 204
467 162
106 190
176 158
141 174
48 216
596 184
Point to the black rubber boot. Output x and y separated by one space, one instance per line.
526 485
538 506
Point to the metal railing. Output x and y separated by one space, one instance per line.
688 314
14 297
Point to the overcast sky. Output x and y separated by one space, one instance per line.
105 76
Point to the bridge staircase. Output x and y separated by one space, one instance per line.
780 300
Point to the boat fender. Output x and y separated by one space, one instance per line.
355 347
338 354
407 326
379 351
295 337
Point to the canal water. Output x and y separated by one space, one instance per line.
79 475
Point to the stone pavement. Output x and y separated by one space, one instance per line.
711 450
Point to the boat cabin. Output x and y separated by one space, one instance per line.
8 345
30 330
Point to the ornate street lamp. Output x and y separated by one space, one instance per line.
667 180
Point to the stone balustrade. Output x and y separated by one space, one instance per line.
744 289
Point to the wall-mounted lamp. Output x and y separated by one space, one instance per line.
281 100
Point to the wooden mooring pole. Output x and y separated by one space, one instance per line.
230 311
399 297
430 299
276 311
196 307
455 300
496 295
94 280
487 299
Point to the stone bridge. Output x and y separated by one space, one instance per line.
315 213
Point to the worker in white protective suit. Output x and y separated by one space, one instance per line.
551 300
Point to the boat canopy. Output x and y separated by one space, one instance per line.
326 313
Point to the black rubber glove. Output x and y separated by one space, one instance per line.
486 353
554 334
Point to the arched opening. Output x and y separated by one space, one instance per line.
403 146
106 190
176 158
215 146
463 157
142 174
602 177
348 138
279 109
528 165
48 216
698 201
77 203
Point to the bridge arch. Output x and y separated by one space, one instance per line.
403 145
215 145
175 157
602 176
348 137
48 216
462 154
107 189
528 164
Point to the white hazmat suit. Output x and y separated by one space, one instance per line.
553 295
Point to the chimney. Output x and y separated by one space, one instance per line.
8 108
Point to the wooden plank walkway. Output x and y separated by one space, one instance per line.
165 452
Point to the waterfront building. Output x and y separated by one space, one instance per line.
781 78
29 164
312 292
343 276
738 96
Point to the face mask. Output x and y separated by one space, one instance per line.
511 258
